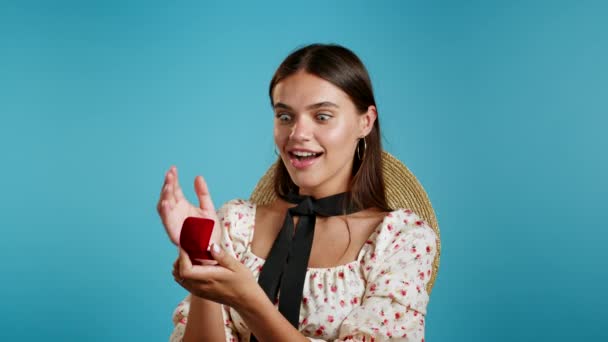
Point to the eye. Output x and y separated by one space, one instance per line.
323 117
283 117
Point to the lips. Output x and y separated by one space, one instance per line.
304 155
301 159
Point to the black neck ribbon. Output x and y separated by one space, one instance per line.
286 264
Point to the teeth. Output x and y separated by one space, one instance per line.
304 154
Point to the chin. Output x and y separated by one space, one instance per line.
304 182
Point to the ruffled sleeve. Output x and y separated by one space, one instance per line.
397 269
235 237
180 318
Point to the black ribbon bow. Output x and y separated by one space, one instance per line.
286 264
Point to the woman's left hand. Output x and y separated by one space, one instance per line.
229 282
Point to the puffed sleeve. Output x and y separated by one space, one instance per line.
397 271
234 241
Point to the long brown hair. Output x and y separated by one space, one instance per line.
341 67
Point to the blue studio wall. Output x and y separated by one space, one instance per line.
499 108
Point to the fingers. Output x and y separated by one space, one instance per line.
223 259
176 267
175 273
180 281
182 268
202 192
177 189
169 176
184 265
170 193
169 189
205 273
207 262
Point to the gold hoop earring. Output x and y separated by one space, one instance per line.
364 148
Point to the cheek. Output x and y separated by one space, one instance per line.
279 136
340 139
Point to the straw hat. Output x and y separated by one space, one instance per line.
402 191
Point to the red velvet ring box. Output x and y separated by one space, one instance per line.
194 238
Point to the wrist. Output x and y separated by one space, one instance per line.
252 300
196 300
265 321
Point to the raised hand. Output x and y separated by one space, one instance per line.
174 208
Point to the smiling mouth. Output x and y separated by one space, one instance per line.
303 156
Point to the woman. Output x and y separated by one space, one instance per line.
328 252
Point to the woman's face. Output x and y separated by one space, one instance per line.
316 129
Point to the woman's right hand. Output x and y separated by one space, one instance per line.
174 208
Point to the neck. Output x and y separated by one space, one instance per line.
325 189
321 193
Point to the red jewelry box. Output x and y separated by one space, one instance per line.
194 238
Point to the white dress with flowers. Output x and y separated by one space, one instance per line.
380 296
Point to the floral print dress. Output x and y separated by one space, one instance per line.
379 296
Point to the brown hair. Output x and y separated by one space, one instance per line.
341 67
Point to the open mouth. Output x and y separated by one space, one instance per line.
304 156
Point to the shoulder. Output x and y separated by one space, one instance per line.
402 230
237 202
271 213
235 206
236 213
402 247
407 220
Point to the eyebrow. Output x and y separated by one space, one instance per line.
309 107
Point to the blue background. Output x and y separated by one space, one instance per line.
500 109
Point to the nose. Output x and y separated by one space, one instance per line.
302 129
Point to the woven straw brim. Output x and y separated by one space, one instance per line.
402 191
